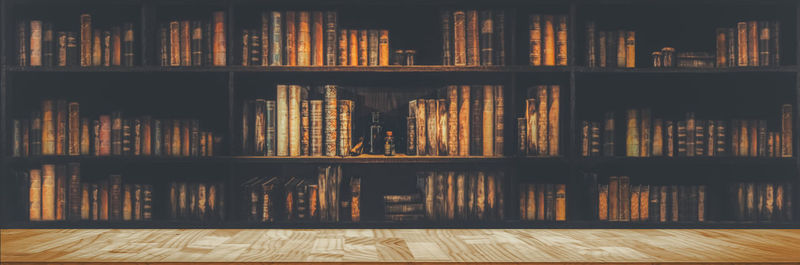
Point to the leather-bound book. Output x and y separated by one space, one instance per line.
283 101
586 129
270 130
442 127
622 48
612 49
305 128
186 133
624 198
491 196
372 47
177 140
16 139
722 47
35 43
383 47
488 120
561 40
476 120
295 97
548 40
763 43
23 44
61 48
85 202
674 203
753 141
136 137
751 197
127 203
752 43
86 40
115 197
535 42
645 133
543 120
658 137
786 130
136 198
107 47
663 201
74 123
355 199
742 41
291 38
602 202
116 133
774 43
632 141
317 39
541 205
352 49
608 134
331 24
480 196
654 204
431 127
644 202
700 138
316 126
499 23
613 198
594 139
691 127
343 47
522 136
303 38
47 44
554 121
48 128
634 203
331 118
735 129
710 136
345 127
463 120
681 138
127 44
276 38
245 40
167 141
49 192
94 202
445 18
486 37
418 106
459 38
761 145
218 19
363 47
499 120
602 50
97 48
630 49
561 202
61 127
73 192
591 44
452 120
472 37
164 44
35 192
174 43
185 29
720 138
265 34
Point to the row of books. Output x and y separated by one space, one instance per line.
461 195
613 48
548 40
38 44
403 207
473 37
197 201
542 202
620 201
194 42
761 201
55 193
294 125
59 130
469 121
750 43
304 38
538 131
324 198
647 136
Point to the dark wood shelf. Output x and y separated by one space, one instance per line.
373 159
300 69
590 162
676 70
115 159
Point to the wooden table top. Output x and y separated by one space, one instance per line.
645 246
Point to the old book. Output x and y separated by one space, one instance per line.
127 203
585 144
543 120
305 128
294 124
73 125
115 197
663 199
548 40
744 137
363 47
464 120
459 38
266 18
632 139
372 47
316 124
602 49
343 47
488 120
561 40
453 119
691 127
763 43
624 198
752 43
608 134
654 204
85 202
271 130
48 192
62 189
283 119
331 127
591 44
218 20
774 43
250 119
476 120
104 203
176 138
710 140
116 133
60 116
47 44
445 18
35 43
442 128
700 138
499 23
658 137
352 49
34 192
291 38
635 193
742 42
86 40
630 49
317 38
644 201
594 139
420 113
560 202
486 37
48 128
762 138
753 133
431 127
472 37
491 196
16 139
480 195
345 127
276 38
735 130
602 202
614 211
674 203
185 132
127 44
786 130
23 44
383 47
61 48
196 45
554 120
622 50
245 40
331 23
645 135
681 136
522 136
73 195
535 42
174 43
165 38
303 38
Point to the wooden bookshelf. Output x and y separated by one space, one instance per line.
216 92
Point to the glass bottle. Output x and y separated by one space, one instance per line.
375 132
389 145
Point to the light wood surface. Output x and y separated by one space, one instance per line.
647 246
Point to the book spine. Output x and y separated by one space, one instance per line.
270 134
543 120
548 41
432 118
488 120
554 120
186 43
220 45
343 46
658 137
682 138
464 120
305 128
265 34
276 29
421 118
331 24
22 43
602 50
372 46
48 201
753 127
721 145
127 203
459 38
411 136
36 43
108 48
595 139
294 120
316 127
74 123
291 38
632 137
722 47
644 202
635 192
363 47
317 39
303 38
283 116
61 127
250 120
608 134
177 139
61 192
535 31
47 44
352 49
331 125
86 40
499 120
476 120
452 119
48 128
561 41
591 44
442 128
16 138
164 44
709 138
61 52
34 192
624 199
752 43
786 130
630 49
522 136
612 49
174 43
194 139
486 32
383 47
762 138
531 117
446 31
691 134
472 37
763 43
185 131
499 37
645 140
127 44
345 126
585 138
622 49
116 133
245 47
774 43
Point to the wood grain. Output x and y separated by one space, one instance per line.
541 246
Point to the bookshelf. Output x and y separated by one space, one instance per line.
214 94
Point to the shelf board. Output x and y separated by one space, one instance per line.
372 159
591 162
299 69
114 159
676 70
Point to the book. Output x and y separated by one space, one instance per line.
464 117
591 44
752 43
486 37
548 40
742 53
543 119
86 40
632 140
488 121
459 38
786 130
282 120
295 95
345 113
218 20
363 47
472 38
372 47
447 50
318 39
553 119
561 40
303 38
330 119
331 24
276 38
305 128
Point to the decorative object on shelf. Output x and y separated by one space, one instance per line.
196 43
39 45
548 40
473 37
542 121
388 147
543 202
58 130
404 57
358 149
55 193
375 133
615 48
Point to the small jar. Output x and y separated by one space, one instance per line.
388 147
410 56
399 57
657 59
668 57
